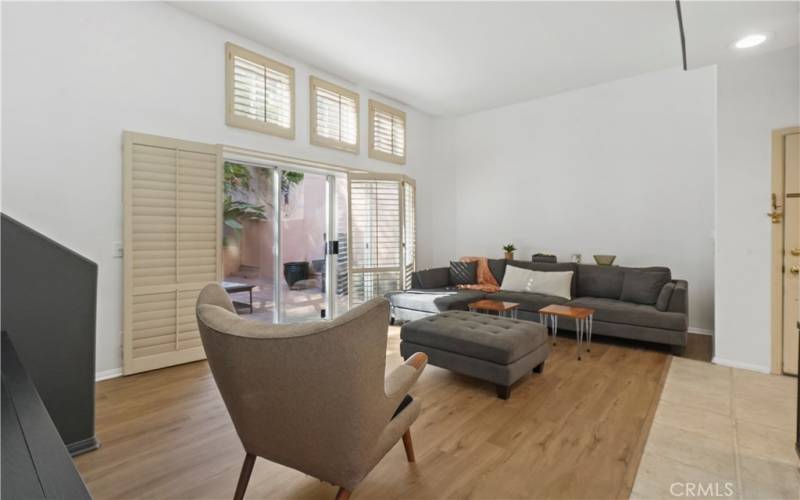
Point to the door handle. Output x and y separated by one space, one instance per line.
795 252
794 269
776 215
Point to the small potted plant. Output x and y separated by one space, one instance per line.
509 249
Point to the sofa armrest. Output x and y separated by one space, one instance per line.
437 277
679 302
399 381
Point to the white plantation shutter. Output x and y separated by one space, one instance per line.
260 93
334 116
380 252
387 133
172 193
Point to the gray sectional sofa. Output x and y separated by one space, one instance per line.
634 303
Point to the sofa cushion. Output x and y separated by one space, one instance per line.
643 286
419 301
479 336
459 300
463 273
435 300
617 311
600 281
547 266
516 279
663 297
557 283
527 301
498 268
433 278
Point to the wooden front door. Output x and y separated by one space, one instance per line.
791 252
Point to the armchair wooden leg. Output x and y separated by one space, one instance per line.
244 476
409 446
342 494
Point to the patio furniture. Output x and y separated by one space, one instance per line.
234 287
295 271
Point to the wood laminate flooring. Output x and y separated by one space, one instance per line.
576 431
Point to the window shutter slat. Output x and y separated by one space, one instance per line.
382 229
334 116
387 133
172 247
260 93
375 239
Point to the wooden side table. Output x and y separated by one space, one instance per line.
583 322
504 309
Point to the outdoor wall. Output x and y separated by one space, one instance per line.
303 226
623 168
756 95
75 75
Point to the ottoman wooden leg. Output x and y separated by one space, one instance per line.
503 391
540 368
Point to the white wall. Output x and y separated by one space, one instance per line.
76 75
755 96
624 168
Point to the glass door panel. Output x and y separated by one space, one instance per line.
248 239
304 229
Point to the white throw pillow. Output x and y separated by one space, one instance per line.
517 279
552 283
557 284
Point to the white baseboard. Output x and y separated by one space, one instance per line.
743 366
700 331
107 374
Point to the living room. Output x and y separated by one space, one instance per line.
367 162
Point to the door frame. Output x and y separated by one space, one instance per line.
776 272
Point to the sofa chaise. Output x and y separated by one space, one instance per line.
634 303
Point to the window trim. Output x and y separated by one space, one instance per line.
380 155
327 142
234 120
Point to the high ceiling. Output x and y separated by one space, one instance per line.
453 58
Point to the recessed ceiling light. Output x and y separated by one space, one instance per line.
751 41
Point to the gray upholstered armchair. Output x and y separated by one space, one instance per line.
310 396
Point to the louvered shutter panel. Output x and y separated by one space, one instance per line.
172 249
334 117
375 238
260 92
387 133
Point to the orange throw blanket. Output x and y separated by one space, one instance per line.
486 280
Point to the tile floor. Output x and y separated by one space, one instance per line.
721 433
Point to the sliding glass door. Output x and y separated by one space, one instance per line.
283 242
248 258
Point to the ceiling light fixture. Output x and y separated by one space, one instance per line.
751 41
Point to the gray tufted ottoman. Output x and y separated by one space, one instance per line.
498 350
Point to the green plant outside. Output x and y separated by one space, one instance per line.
238 179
